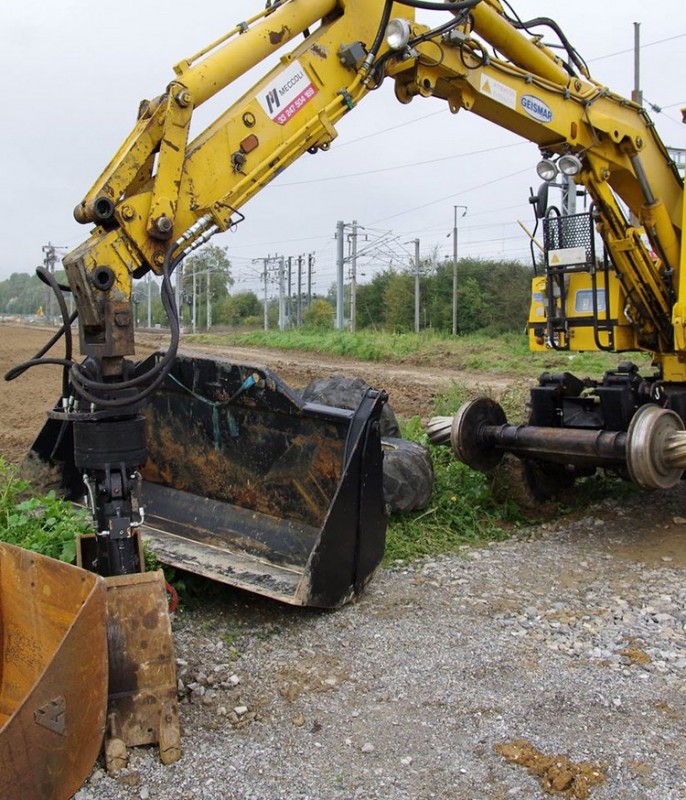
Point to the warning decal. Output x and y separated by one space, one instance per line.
567 256
500 92
291 91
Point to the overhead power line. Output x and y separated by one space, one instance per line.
461 193
643 46
400 166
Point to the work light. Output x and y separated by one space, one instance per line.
397 33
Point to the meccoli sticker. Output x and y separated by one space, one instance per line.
536 108
287 94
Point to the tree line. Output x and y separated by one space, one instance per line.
491 295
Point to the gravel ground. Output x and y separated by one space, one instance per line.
552 663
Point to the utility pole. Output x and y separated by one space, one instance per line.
310 270
195 298
266 301
282 297
464 212
264 277
50 258
299 304
637 94
289 304
340 226
178 292
416 285
353 278
208 314
150 302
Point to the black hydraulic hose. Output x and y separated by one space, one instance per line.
43 273
381 30
20 369
550 23
440 30
48 278
447 26
461 5
154 376
64 330
15 372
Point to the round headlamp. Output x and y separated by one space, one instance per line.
397 33
569 165
546 169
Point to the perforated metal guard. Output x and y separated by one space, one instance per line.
575 230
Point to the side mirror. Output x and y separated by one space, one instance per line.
540 200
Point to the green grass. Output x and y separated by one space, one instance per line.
505 354
464 507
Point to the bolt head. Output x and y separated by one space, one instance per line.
183 98
163 224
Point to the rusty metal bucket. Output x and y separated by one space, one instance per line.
53 675
249 485
142 706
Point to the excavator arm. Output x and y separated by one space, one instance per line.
163 195
635 297
232 474
523 87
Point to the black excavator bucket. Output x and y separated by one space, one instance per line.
248 485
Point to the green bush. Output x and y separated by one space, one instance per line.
44 524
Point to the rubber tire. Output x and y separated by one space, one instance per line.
408 475
342 391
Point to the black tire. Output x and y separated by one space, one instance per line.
342 391
408 475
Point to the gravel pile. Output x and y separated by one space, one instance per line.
548 665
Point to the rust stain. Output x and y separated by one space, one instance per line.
319 51
150 619
277 37
182 459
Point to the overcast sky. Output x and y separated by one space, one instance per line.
75 71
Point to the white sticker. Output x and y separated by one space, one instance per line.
536 108
567 256
500 92
291 91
